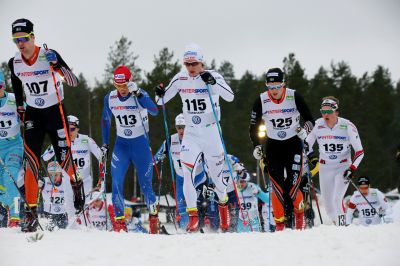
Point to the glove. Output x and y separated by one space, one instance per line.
381 213
160 157
79 200
301 133
159 90
134 89
348 174
21 113
51 57
40 183
104 151
257 153
207 78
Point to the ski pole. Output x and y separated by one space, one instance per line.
19 191
64 125
262 167
166 198
171 165
103 171
223 146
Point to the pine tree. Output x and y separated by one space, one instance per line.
120 54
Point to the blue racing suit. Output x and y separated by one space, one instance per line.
131 145
11 152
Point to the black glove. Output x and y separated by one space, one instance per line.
159 90
104 151
207 78
79 199
348 174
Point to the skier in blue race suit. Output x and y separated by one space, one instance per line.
11 152
129 105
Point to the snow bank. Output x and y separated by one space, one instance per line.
323 245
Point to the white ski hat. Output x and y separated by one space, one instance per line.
73 120
193 53
180 120
54 167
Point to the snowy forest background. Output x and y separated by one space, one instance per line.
371 102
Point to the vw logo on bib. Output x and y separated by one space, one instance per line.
196 119
39 102
281 134
3 133
57 209
128 132
332 157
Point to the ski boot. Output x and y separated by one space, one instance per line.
154 224
79 199
13 222
299 218
119 225
224 217
31 221
193 225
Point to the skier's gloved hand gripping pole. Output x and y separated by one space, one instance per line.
301 133
80 202
224 147
3 165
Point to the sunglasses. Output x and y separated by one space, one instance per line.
2 86
327 111
274 87
191 64
180 127
72 129
23 38
363 187
121 86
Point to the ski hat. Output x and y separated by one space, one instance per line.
180 120
275 75
54 167
245 176
22 25
73 120
363 180
2 78
193 53
331 103
122 75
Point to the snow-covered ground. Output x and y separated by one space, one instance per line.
322 245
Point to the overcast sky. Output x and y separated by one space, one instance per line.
252 35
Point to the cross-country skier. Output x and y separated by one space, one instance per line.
281 108
96 214
32 72
82 146
11 152
201 137
175 144
336 137
56 195
129 105
237 168
249 195
367 214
